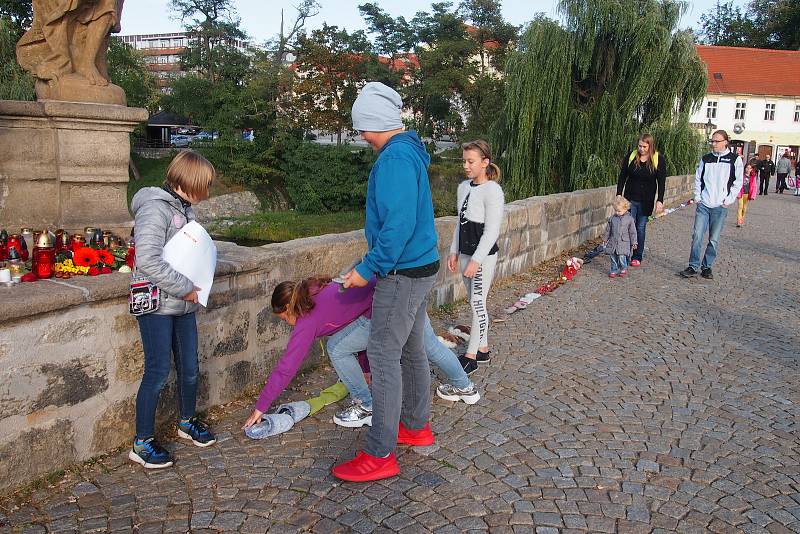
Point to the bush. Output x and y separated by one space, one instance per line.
324 178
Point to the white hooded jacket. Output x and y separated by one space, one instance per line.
718 179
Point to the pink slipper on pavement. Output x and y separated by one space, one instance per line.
635 263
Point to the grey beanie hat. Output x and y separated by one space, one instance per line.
377 109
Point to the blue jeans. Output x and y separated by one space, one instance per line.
163 335
344 344
711 220
619 262
640 218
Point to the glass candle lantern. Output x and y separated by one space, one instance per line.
44 255
15 241
78 241
131 255
88 234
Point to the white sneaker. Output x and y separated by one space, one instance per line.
354 416
449 392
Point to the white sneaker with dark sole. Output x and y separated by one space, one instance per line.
184 435
449 392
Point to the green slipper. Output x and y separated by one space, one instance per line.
327 396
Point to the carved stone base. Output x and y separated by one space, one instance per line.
75 88
65 164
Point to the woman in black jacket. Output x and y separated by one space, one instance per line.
643 175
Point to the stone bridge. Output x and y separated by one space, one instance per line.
645 404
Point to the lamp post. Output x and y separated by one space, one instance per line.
709 129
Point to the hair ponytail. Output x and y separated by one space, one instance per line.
482 147
296 298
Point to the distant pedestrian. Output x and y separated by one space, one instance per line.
473 249
619 238
747 193
642 180
766 168
717 183
797 178
782 170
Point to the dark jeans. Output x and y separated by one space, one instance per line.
641 228
780 182
763 185
401 378
162 335
710 220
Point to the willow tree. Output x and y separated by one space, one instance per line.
578 94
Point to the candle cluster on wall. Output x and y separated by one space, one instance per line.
39 255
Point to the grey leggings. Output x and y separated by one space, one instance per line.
477 291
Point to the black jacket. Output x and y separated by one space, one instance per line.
766 168
640 184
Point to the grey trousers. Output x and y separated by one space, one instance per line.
401 378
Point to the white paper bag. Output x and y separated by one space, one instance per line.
192 253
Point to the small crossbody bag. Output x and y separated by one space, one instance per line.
144 296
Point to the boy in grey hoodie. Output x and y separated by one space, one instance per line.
160 212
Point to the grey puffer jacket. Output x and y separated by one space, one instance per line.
157 217
620 235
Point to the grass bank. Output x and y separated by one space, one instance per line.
152 172
278 226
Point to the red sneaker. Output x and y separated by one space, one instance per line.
635 263
420 437
365 468
623 272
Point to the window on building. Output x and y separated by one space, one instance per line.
711 110
741 108
769 112
797 113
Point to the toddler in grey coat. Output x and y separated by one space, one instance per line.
619 238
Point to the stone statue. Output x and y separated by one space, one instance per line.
66 49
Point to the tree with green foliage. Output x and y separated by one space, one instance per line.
15 18
461 53
578 95
126 68
332 65
763 24
15 83
212 25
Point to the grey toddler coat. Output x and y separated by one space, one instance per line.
620 235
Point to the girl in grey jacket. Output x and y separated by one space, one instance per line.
619 238
160 212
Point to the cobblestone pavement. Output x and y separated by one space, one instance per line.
649 404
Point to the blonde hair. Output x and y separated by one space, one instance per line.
651 149
192 173
482 147
621 202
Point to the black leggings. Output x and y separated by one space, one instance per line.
763 185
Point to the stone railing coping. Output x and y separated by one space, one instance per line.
28 299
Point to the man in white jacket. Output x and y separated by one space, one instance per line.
717 182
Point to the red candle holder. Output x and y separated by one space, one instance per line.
44 261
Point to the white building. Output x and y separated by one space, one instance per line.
754 95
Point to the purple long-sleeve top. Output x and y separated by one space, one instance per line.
332 311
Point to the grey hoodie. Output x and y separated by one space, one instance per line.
158 216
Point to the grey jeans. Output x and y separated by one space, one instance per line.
401 378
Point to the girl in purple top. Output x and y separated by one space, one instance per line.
315 307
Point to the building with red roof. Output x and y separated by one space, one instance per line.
753 94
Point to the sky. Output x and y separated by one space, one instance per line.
261 18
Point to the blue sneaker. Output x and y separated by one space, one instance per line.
150 454
197 431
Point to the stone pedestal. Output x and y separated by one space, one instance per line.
65 164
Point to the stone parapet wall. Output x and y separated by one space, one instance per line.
71 357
